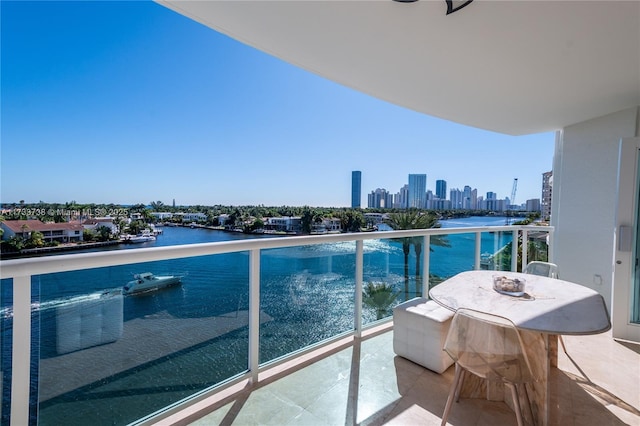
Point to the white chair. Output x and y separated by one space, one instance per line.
545 269
490 347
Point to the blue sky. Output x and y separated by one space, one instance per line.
129 102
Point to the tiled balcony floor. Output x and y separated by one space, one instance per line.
366 384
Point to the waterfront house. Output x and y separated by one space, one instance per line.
98 222
284 224
191 217
66 232
374 218
162 216
332 224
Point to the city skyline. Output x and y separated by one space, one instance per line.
129 102
489 194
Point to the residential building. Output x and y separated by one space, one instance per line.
65 232
284 223
441 189
356 189
469 198
162 215
455 196
417 190
332 224
380 199
491 203
373 219
438 204
401 199
99 222
533 205
191 217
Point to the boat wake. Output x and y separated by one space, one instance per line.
64 301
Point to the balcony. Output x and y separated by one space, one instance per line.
269 317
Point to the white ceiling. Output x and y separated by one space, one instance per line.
514 67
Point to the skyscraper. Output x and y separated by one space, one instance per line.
401 200
417 190
380 198
441 189
356 189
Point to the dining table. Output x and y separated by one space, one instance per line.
545 308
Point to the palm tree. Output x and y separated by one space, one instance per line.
426 221
147 216
380 297
399 221
414 219
157 205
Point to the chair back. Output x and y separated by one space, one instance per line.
545 269
489 346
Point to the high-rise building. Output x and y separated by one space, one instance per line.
417 190
401 199
356 189
455 195
474 199
533 205
491 203
547 187
441 189
470 198
380 198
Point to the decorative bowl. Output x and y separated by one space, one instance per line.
509 285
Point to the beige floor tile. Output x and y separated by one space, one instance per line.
368 385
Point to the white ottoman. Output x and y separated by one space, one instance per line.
420 327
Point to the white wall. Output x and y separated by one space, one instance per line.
584 201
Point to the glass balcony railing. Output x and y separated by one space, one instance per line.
79 348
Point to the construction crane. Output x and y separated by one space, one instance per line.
512 200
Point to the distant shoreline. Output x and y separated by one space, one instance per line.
67 247
62 247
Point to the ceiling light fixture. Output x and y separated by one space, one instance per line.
452 5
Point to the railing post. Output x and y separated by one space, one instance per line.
478 249
425 262
254 313
359 278
550 254
525 247
21 351
514 251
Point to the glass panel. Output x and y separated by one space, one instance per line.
113 350
307 296
6 336
382 285
454 254
537 247
496 251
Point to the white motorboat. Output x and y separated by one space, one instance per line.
148 282
141 238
